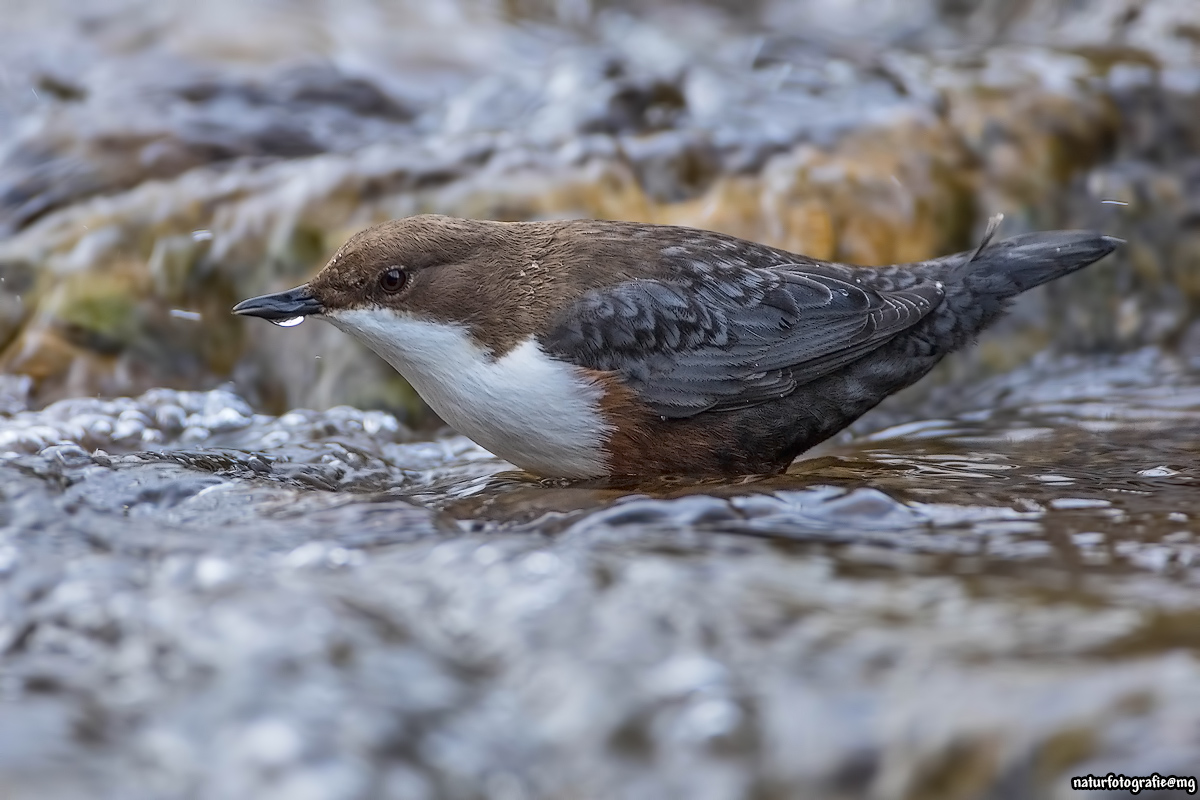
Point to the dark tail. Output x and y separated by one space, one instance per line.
980 284
1007 268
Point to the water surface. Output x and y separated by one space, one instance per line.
228 604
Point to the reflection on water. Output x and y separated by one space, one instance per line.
1002 597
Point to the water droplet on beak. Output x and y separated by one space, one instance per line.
289 323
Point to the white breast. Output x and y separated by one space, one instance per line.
535 411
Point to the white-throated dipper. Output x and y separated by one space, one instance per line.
586 348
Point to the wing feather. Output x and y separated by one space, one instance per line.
727 336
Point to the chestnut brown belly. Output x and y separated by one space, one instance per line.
759 440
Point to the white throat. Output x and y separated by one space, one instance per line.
535 411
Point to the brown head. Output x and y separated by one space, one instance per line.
498 280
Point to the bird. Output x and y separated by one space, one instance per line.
589 348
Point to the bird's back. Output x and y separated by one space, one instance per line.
730 357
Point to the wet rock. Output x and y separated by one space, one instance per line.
107 141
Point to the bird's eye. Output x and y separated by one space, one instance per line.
392 280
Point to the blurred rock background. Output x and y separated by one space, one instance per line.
221 594
161 160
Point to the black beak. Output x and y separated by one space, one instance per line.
281 305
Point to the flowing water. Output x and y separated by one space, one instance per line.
226 604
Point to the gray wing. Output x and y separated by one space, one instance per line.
731 337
